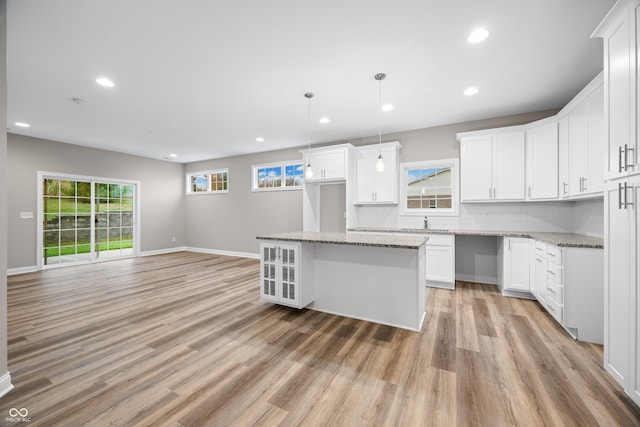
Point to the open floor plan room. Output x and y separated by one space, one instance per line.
182 339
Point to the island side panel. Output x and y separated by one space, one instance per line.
383 285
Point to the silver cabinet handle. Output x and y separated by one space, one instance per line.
564 188
620 203
626 193
626 150
620 166
584 184
529 191
551 290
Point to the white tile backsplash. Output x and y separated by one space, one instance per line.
584 217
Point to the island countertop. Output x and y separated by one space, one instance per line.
355 239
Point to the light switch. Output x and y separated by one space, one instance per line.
26 215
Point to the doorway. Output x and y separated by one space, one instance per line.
85 219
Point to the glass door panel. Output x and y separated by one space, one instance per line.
84 220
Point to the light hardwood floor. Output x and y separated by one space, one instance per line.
183 340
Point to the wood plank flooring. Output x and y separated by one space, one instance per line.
183 340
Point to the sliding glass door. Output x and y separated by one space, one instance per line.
84 220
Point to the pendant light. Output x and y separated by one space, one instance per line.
308 173
380 162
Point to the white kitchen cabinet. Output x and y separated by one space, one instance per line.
542 161
539 280
440 261
620 31
280 274
492 165
587 142
563 158
621 285
374 186
514 266
327 163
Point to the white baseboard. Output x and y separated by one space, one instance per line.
21 270
226 253
164 251
477 279
5 384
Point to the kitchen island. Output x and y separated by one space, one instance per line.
369 277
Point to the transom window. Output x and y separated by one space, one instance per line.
208 182
430 187
277 176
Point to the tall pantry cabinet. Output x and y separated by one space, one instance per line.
620 31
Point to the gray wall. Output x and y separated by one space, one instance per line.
162 214
3 189
220 222
231 222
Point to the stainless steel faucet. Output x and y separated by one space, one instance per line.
426 223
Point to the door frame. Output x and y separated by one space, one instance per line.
75 177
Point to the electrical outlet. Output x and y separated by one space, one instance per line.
173 239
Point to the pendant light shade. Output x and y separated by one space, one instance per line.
308 172
380 162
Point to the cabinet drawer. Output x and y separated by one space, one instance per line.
554 254
440 240
554 309
554 273
541 249
554 293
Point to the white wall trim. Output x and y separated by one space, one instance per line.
5 384
226 253
163 251
21 270
489 280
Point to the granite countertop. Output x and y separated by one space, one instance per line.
410 241
567 240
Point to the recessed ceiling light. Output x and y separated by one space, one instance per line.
471 91
173 155
387 107
104 81
478 35
260 139
324 120
22 124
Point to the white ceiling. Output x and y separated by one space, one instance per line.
204 78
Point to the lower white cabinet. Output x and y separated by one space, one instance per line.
622 283
281 274
568 284
513 266
440 261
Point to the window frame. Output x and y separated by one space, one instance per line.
454 164
208 174
283 167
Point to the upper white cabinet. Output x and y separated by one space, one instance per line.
492 165
327 163
375 186
563 158
587 141
542 161
620 32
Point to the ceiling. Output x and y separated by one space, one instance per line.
203 79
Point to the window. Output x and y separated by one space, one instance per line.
430 187
208 182
277 176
